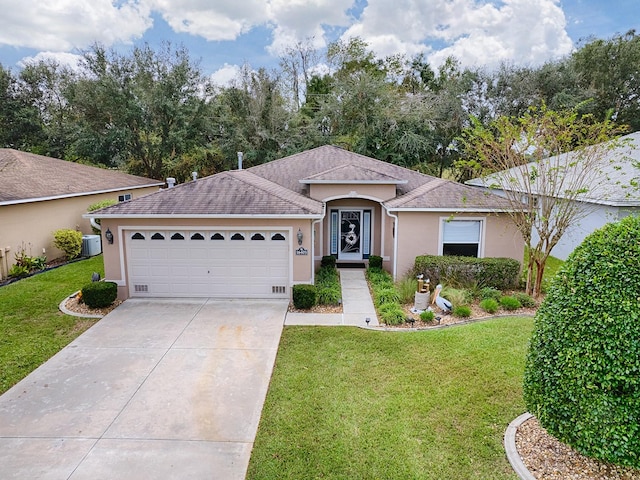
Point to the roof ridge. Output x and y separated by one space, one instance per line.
275 191
422 189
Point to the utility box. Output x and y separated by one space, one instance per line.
91 245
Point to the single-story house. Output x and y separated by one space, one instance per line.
611 193
256 232
40 195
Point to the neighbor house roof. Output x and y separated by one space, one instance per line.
614 181
278 189
27 177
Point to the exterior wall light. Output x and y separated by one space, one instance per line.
109 236
300 236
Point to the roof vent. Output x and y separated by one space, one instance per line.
171 182
240 157
194 175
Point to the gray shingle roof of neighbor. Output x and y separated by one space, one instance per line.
232 193
612 183
278 189
29 177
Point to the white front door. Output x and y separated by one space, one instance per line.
350 235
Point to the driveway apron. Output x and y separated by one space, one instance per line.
157 389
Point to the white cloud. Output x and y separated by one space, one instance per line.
225 76
67 24
224 20
62 58
474 31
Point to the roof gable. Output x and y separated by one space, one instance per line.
353 174
29 177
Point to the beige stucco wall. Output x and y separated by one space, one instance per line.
322 191
33 224
419 234
115 270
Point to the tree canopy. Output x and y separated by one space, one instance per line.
156 113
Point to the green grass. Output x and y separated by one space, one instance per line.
348 403
32 329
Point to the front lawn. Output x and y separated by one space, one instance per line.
347 403
32 329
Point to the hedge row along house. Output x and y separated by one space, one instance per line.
255 232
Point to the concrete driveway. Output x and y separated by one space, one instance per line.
158 389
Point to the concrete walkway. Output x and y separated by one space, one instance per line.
357 305
158 389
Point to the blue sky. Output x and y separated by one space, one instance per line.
225 34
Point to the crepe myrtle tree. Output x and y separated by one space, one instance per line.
545 163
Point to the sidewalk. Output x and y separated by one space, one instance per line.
357 305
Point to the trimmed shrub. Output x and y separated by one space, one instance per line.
582 374
304 296
328 261
391 314
462 311
427 316
490 292
510 303
525 300
69 241
500 273
375 261
99 294
489 305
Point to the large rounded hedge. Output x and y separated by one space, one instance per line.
582 376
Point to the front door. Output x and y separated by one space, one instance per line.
350 235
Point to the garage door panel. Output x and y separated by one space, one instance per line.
213 268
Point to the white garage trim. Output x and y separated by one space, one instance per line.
211 261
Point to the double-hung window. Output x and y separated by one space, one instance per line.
461 237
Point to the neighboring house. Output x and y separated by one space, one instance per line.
256 232
39 195
612 191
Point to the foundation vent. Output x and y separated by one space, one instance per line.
278 289
141 288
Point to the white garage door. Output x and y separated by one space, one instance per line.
208 263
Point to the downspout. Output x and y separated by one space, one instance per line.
395 241
313 241
95 224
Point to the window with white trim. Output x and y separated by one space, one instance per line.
461 237
124 197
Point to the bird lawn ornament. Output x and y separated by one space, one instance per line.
441 302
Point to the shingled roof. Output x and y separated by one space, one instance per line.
234 193
277 189
27 177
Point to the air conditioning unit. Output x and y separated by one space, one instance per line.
91 245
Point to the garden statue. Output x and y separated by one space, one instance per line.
441 302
